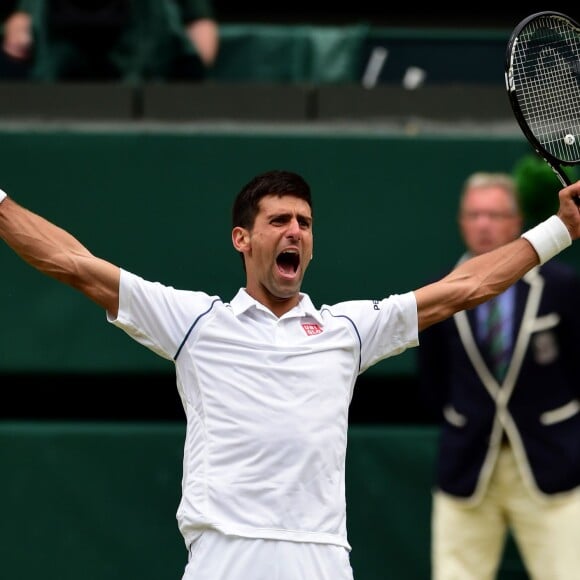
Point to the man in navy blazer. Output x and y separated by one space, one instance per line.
509 446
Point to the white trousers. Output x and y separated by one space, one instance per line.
468 542
214 556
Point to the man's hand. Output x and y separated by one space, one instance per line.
18 36
204 36
569 211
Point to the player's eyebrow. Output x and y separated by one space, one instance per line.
286 216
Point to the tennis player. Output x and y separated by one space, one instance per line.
266 379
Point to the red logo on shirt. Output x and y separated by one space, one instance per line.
311 329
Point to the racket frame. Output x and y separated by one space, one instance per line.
555 164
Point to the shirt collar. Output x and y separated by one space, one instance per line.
242 302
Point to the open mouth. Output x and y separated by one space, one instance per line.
288 262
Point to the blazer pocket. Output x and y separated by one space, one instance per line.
561 413
453 417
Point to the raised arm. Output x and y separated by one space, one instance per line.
482 277
56 253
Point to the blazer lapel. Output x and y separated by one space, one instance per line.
527 298
522 293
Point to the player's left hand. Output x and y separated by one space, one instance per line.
569 211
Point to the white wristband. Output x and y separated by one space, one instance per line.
549 238
3 196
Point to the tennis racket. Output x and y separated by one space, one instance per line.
542 75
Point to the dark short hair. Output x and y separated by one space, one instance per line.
275 182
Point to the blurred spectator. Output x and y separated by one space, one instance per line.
505 388
188 42
16 41
201 28
129 40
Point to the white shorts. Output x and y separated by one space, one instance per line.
215 556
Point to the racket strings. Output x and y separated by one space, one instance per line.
546 77
556 91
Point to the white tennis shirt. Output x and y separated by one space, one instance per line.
266 401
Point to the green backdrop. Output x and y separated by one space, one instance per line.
97 501
157 201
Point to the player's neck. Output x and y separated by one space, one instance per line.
277 305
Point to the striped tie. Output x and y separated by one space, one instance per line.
498 349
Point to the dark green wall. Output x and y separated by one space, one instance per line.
157 201
97 501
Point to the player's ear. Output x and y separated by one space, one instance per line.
240 239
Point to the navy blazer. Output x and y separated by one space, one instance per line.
537 405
